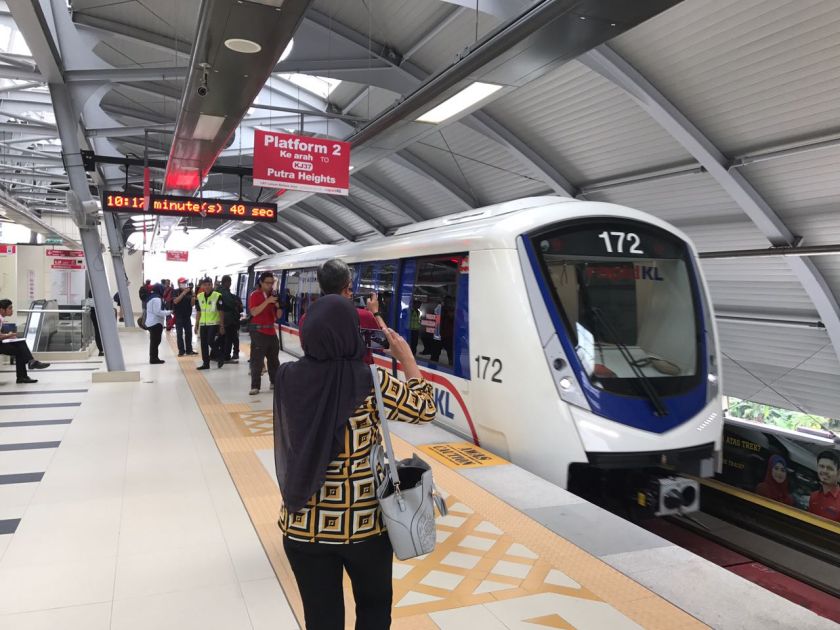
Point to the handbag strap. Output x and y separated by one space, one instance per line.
386 434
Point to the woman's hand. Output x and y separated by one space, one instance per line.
401 351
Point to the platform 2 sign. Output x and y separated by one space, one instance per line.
462 455
173 206
283 160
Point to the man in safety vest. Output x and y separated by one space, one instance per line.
208 320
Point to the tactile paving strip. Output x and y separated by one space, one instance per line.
490 558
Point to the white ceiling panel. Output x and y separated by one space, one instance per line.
750 73
383 211
429 199
311 224
340 214
169 18
443 48
585 126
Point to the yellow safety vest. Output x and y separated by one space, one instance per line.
209 307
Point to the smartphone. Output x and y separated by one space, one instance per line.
375 338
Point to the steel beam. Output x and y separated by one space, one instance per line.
611 65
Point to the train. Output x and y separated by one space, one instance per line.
575 339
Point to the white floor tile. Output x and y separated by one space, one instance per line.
37 587
467 617
38 433
511 569
217 608
5 539
17 494
577 613
462 560
267 605
442 579
31 460
486 527
412 598
400 570
474 542
558 578
450 520
90 617
178 569
489 586
521 551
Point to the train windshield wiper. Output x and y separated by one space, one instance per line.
643 379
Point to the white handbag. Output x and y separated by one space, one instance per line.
406 492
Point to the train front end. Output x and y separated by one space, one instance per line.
630 339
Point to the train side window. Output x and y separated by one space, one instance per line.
290 314
365 283
385 282
432 310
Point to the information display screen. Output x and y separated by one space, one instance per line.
170 205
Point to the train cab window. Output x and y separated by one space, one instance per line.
431 313
626 294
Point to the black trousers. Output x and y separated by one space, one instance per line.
20 351
183 335
155 334
319 570
231 340
264 347
207 337
95 323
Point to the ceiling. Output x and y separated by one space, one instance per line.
718 116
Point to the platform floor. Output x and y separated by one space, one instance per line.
153 505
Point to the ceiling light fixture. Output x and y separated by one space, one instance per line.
244 46
461 101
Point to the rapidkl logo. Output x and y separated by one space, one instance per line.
442 402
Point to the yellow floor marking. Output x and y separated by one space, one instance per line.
488 551
462 455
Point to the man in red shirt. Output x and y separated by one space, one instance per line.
265 344
335 278
825 502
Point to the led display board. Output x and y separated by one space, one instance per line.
172 206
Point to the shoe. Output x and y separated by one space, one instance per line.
235 357
232 361
253 392
34 364
101 354
203 367
26 379
192 354
180 354
158 362
221 363
121 319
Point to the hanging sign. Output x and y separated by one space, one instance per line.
66 253
8 249
176 256
68 263
283 160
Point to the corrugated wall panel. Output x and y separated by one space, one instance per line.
340 214
427 198
479 164
749 73
585 126
804 189
386 213
311 222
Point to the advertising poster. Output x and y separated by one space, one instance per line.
797 470
283 160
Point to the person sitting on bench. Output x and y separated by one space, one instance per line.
17 349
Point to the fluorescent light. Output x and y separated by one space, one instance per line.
207 127
464 99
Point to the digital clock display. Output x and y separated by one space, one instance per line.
170 205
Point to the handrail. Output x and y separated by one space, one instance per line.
53 310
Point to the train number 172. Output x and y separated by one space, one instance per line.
482 364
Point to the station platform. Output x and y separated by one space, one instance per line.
153 505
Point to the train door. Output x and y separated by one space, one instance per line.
434 318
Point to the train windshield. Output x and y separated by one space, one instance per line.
626 295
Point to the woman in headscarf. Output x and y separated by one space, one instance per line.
155 319
775 484
325 422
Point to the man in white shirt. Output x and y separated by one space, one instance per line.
18 349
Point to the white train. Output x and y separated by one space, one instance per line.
568 337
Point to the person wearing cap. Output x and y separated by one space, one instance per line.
183 302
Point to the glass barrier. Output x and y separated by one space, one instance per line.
51 327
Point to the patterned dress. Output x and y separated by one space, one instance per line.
345 509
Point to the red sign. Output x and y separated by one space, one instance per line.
8 249
282 160
68 263
66 253
177 256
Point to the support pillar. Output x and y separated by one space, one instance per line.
115 244
68 129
